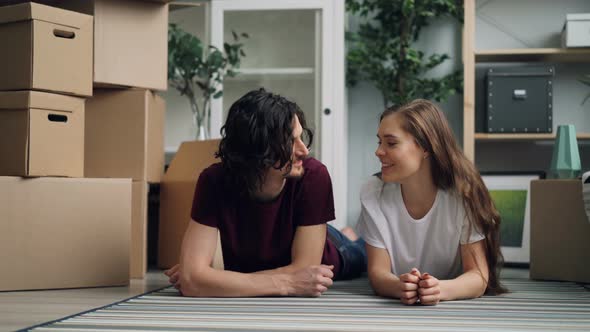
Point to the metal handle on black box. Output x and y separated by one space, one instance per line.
519 94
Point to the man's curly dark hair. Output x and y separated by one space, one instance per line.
257 135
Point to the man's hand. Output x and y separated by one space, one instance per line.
408 287
173 276
429 290
311 281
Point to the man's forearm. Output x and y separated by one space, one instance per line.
287 269
209 282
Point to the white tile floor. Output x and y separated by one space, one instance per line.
24 309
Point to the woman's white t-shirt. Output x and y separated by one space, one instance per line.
431 244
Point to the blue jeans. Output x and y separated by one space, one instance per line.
353 254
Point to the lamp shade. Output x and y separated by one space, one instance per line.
565 163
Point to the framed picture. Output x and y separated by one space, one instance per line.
511 195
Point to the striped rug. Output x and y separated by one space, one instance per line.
347 306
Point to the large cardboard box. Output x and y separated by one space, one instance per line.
125 135
560 231
41 134
130 41
64 233
50 49
138 260
176 197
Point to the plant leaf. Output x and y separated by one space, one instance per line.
194 66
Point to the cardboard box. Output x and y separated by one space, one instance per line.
64 233
50 49
560 231
125 135
176 197
130 41
138 261
41 134
575 30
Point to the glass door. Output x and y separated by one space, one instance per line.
282 56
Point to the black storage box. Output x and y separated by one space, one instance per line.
519 99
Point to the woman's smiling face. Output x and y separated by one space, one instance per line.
400 155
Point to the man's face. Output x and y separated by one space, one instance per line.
300 152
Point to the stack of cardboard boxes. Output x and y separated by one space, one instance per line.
81 136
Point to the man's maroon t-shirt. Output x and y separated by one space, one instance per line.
256 235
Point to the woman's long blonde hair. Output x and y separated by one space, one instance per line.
452 171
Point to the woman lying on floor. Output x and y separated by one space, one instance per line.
430 226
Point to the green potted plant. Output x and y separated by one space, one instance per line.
197 72
381 50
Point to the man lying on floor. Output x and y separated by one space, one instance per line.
271 204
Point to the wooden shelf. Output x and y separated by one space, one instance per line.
273 73
523 137
534 55
177 5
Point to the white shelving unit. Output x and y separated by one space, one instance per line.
473 56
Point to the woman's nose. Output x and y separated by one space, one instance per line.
379 151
